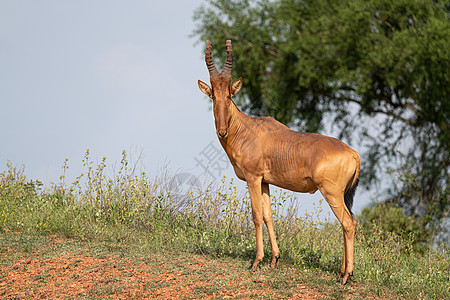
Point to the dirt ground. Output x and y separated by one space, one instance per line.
52 269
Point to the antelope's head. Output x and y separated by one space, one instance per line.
221 89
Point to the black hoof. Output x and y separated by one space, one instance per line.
275 264
253 267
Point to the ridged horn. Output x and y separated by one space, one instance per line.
226 71
213 73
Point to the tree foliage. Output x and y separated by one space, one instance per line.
378 70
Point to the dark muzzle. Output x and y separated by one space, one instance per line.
222 134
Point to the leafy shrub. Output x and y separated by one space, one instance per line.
387 217
130 208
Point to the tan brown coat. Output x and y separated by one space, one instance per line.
263 151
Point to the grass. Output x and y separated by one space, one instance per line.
130 215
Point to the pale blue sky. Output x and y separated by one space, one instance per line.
103 75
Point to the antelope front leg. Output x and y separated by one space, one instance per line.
254 189
268 219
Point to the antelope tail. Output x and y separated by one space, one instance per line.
348 196
351 189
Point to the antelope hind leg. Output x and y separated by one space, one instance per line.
344 259
348 225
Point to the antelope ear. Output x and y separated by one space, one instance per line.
236 86
205 88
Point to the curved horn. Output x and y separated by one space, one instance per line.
213 73
226 71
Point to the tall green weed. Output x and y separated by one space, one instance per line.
129 207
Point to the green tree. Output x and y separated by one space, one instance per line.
378 70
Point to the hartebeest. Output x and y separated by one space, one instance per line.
263 151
